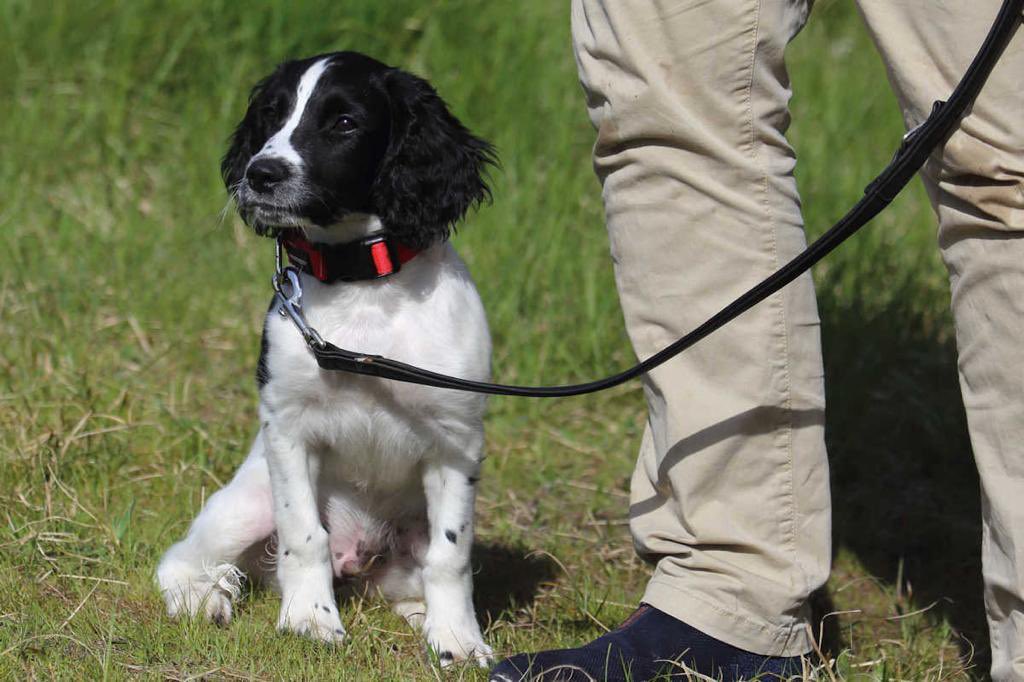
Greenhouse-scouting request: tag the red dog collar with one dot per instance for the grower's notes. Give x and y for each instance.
(372, 257)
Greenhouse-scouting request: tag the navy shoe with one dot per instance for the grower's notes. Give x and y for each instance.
(649, 645)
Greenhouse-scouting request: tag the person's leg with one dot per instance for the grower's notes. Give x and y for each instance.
(730, 496)
(977, 185)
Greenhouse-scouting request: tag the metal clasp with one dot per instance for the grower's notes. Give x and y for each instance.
(288, 289)
(278, 257)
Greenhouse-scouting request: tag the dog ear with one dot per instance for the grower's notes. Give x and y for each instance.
(433, 169)
(250, 135)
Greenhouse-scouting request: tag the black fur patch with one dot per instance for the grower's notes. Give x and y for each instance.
(433, 171)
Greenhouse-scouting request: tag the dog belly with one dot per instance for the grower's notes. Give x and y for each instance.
(364, 536)
(367, 453)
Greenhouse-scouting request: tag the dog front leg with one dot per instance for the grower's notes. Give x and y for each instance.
(450, 625)
(303, 557)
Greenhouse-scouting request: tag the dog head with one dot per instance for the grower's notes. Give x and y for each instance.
(342, 133)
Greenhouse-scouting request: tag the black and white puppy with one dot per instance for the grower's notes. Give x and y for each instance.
(352, 475)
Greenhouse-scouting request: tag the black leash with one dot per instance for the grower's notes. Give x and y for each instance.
(915, 149)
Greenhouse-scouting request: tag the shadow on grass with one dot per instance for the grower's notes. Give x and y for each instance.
(905, 489)
(507, 579)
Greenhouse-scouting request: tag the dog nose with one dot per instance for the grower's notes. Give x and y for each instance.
(263, 174)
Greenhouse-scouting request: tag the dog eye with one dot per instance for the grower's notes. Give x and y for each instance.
(345, 124)
(271, 111)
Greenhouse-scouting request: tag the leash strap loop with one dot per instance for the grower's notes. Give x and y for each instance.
(914, 150)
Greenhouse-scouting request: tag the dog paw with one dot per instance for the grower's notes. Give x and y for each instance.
(189, 602)
(412, 610)
(311, 616)
(452, 643)
(188, 592)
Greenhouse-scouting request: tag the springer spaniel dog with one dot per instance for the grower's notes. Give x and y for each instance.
(364, 172)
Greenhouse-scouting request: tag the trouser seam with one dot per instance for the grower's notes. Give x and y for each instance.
(994, 639)
(776, 302)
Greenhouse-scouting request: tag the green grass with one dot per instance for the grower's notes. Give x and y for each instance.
(129, 327)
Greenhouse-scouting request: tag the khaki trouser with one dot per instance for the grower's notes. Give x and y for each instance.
(730, 495)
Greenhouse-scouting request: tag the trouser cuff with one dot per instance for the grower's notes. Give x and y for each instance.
(730, 627)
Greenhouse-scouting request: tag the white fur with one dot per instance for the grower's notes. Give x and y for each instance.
(345, 465)
(280, 144)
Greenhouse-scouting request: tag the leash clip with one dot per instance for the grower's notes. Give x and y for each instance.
(291, 305)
